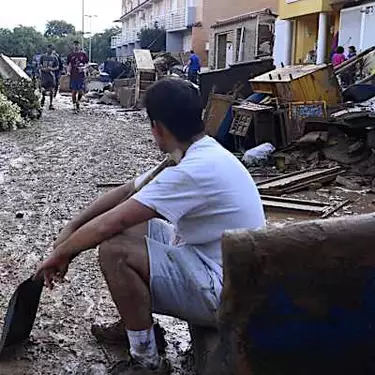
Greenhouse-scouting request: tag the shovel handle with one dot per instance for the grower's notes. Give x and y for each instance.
(169, 161)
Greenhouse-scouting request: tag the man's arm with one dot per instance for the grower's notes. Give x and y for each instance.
(93, 233)
(101, 205)
(103, 227)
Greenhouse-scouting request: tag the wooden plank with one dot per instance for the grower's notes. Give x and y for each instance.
(297, 181)
(295, 177)
(294, 205)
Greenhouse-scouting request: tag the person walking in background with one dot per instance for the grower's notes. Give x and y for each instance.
(48, 66)
(352, 52)
(77, 62)
(194, 67)
(310, 58)
(58, 72)
(339, 56)
(352, 70)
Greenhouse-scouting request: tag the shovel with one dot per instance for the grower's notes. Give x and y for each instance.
(20, 316)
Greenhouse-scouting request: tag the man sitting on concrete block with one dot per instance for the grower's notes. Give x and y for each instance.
(160, 250)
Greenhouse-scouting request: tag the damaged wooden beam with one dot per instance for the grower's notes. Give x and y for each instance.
(298, 299)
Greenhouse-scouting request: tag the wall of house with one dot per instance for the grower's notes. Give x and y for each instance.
(249, 40)
(213, 10)
(306, 35)
(174, 42)
(296, 8)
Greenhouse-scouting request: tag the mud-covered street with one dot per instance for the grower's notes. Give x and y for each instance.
(48, 172)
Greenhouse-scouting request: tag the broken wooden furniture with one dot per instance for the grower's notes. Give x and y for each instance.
(145, 73)
(298, 300)
(300, 83)
(253, 124)
(216, 110)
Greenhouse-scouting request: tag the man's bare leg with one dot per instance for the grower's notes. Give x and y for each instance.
(125, 265)
(74, 99)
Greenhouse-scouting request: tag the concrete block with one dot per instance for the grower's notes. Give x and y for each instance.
(127, 97)
(119, 83)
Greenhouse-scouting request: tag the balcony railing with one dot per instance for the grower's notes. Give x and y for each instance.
(177, 19)
(116, 41)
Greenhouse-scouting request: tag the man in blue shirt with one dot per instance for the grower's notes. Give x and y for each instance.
(194, 66)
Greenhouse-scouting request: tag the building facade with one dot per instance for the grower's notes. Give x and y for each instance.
(308, 25)
(322, 25)
(187, 22)
(357, 26)
(241, 38)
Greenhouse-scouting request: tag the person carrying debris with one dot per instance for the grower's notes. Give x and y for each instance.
(160, 250)
(49, 64)
(194, 67)
(77, 62)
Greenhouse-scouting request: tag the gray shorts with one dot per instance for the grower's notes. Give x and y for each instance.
(183, 281)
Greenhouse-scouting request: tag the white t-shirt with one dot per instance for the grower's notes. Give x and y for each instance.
(208, 192)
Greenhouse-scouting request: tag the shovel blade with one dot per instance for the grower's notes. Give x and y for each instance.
(21, 313)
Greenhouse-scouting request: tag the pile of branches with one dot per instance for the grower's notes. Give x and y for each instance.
(22, 93)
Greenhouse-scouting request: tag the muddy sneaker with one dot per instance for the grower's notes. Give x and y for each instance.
(133, 367)
(115, 334)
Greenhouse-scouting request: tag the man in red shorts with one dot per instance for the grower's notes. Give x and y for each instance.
(77, 62)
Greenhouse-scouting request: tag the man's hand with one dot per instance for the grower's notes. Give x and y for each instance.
(54, 268)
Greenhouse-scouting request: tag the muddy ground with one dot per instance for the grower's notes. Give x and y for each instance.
(48, 172)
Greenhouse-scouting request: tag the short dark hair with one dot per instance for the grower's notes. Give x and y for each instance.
(178, 105)
(340, 49)
(76, 42)
(51, 46)
(191, 51)
(352, 48)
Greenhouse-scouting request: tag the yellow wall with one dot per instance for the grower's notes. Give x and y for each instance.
(302, 7)
(306, 35)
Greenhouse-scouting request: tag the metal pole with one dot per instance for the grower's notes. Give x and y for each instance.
(83, 24)
(90, 49)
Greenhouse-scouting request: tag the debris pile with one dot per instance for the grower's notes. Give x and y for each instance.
(10, 114)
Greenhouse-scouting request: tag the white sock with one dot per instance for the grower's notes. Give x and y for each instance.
(143, 347)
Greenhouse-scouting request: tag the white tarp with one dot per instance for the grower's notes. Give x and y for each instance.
(10, 70)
